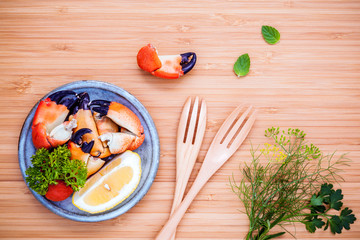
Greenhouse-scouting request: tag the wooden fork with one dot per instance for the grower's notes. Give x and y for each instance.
(190, 134)
(226, 141)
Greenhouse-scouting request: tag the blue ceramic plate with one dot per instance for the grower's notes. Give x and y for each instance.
(149, 151)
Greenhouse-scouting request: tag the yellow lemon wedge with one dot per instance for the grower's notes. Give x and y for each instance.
(111, 185)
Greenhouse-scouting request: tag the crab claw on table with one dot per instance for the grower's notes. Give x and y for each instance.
(49, 128)
(81, 150)
(82, 114)
(131, 135)
(166, 66)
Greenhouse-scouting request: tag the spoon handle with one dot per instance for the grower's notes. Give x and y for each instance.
(169, 228)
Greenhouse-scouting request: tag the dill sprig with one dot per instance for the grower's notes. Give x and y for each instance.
(278, 184)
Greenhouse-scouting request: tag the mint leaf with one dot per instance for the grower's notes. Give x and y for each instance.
(270, 34)
(242, 65)
(316, 200)
(347, 218)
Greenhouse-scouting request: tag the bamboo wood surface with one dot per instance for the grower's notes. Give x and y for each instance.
(309, 80)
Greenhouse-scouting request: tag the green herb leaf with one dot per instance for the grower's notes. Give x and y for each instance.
(242, 65)
(278, 220)
(314, 223)
(273, 235)
(48, 167)
(74, 173)
(347, 218)
(270, 34)
(316, 200)
(335, 198)
(317, 209)
(38, 175)
(327, 225)
(283, 182)
(331, 200)
(335, 224)
(326, 189)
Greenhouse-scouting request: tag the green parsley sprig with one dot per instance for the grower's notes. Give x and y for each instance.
(320, 204)
(48, 167)
(279, 186)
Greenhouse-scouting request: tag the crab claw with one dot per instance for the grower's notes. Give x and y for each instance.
(77, 139)
(117, 142)
(81, 150)
(119, 114)
(48, 127)
(104, 125)
(136, 143)
(106, 114)
(84, 118)
(167, 66)
(78, 149)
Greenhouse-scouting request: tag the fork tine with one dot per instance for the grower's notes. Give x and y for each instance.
(201, 125)
(191, 129)
(227, 123)
(183, 119)
(236, 126)
(243, 132)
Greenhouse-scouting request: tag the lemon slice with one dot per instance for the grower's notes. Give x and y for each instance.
(111, 185)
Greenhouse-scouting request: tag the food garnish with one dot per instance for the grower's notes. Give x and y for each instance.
(48, 168)
(59, 191)
(270, 34)
(111, 185)
(320, 204)
(285, 188)
(166, 66)
(242, 65)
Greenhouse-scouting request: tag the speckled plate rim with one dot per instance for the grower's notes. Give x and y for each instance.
(155, 156)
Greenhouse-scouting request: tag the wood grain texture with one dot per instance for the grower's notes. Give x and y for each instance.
(309, 80)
